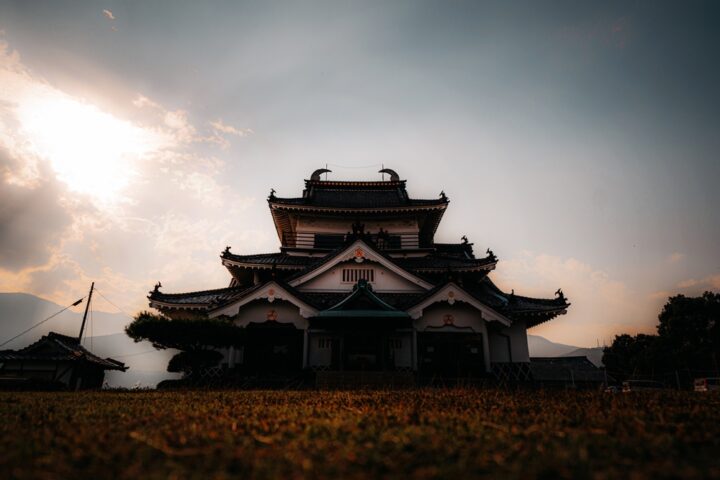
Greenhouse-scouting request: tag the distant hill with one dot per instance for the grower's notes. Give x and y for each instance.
(542, 347)
(19, 311)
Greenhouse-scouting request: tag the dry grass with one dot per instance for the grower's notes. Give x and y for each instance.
(307, 434)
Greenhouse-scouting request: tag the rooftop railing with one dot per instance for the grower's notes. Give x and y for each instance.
(330, 241)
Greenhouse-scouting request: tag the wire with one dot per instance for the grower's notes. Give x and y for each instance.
(111, 303)
(133, 354)
(41, 322)
(337, 165)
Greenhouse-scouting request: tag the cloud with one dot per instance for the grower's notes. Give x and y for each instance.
(676, 257)
(219, 126)
(147, 205)
(601, 305)
(108, 14)
(711, 282)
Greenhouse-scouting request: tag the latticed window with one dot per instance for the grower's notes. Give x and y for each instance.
(354, 275)
(324, 343)
(395, 343)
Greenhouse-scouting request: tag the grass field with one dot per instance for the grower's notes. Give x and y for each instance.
(308, 434)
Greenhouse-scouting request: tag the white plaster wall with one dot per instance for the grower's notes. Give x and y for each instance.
(385, 280)
(500, 350)
(517, 333)
(257, 311)
(518, 341)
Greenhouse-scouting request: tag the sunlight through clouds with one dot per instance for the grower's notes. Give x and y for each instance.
(84, 193)
(91, 151)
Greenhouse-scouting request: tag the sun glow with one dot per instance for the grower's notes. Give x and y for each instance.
(91, 151)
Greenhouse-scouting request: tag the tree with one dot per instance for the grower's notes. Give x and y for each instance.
(193, 361)
(184, 334)
(690, 326)
(688, 338)
(628, 354)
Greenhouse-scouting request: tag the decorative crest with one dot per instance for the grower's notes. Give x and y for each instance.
(157, 287)
(315, 177)
(394, 177)
(443, 196)
(464, 239)
(272, 194)
(490, 254)
(559, 294)
(227, 249)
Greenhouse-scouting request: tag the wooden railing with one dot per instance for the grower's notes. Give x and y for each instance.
(330, 241)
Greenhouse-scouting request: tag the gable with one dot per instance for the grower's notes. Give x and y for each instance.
(452, 294)
(356, 262)
(270, 292)
(345, 275)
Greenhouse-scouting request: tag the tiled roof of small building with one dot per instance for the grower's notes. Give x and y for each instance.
(565, 369)
(57, 347)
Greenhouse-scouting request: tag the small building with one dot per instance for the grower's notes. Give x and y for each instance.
(361, 285)
(567, 372)
(55, 361)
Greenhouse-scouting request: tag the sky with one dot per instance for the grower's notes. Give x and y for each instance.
(577, 140)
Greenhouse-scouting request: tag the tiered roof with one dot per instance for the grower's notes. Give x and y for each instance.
(358, 199)
(433, 266)
(437, 261)
(533, 310)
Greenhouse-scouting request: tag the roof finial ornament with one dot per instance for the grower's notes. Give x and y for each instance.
(559, 294)
(443, 196)
(157, 287)
(358, 228)
(394, 177)
(490, 254)
(464, 239)
(272, 194)
(315, 177)
(227, 249)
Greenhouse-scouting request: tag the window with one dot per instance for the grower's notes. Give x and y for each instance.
(395, 343)
(324, 343)
(353, 275)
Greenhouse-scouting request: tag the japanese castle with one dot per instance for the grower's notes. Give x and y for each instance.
(360, 285)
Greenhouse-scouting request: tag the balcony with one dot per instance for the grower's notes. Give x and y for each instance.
(331, 241)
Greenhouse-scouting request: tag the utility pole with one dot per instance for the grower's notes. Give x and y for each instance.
(87, 307)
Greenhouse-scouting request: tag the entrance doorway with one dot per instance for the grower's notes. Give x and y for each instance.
(451, 355)
(273, 348)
